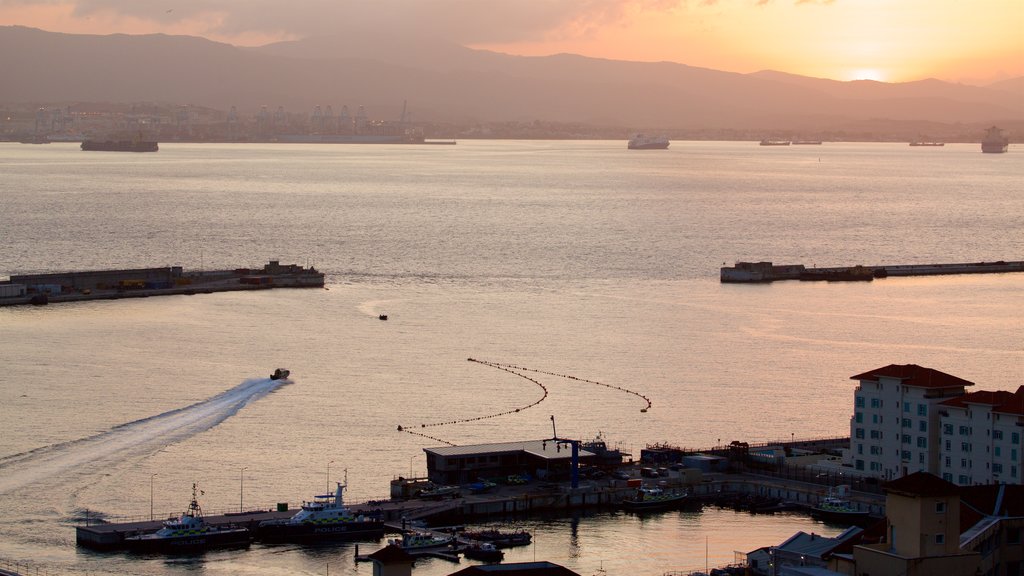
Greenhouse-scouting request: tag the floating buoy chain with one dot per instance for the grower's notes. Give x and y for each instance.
(510, 367)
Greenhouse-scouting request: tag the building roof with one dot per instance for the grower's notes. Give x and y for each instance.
(922, 484)
(391, 554)
(546, 449)
(816, 545)
(1000, 400)
(517, 569)
(914, 375)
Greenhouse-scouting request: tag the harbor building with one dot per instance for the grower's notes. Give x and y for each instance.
(909, 418)
(546, 459)
(895, 426)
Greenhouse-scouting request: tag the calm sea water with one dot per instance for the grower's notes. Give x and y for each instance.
(574, 258)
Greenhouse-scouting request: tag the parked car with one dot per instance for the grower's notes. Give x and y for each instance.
(621, 475)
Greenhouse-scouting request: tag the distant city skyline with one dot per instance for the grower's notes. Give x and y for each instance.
(973, 43)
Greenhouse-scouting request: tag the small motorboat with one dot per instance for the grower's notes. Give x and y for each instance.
(383, 317)
(483, 551)
(280, 374)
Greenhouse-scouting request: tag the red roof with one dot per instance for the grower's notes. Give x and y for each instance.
(1001, 400)
(922, 484)
(914, 375)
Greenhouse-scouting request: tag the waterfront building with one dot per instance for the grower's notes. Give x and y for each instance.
(895, 426)
(517, 569)
(548, 459)
(391, 560)
(981, 437)
(804, 553)
(908, 418)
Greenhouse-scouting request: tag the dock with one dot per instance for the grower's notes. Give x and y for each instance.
(59, 287)
(762, 272)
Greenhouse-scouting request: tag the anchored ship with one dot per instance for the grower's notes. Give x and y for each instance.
(995, 142)
(644, 142)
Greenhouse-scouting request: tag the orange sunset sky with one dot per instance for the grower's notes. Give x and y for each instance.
(975, 41)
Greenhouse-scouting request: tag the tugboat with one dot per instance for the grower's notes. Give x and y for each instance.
(651, 499)
(325, 518)
(189, 533)
(280, 374)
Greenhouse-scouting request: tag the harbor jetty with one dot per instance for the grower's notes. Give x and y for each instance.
(753, 272)
(40, 289)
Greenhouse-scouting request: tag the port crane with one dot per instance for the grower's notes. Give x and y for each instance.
(575, 444)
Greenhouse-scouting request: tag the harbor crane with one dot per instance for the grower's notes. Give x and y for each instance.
(575, 444)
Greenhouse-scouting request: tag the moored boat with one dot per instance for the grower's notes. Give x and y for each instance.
(483, 551)
(498, 538)
(649, 499)
(645, 142)
(770, 142)
(189, 533)
(324, 518)
(411, 541)
(837, 509)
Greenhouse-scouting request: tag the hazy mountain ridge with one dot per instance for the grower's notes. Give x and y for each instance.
(444, 82)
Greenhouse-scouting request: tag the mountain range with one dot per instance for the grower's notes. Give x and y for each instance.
(444, 82)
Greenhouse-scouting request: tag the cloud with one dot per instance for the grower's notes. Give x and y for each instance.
(459, 21)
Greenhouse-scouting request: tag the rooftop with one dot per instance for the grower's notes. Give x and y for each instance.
(546, 449)
(914, 375)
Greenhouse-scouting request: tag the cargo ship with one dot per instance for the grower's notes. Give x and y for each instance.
(120, 145)
(995, 142)
(644, 142)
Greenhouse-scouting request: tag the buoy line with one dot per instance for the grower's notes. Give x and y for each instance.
(486, 416)
(594, 382)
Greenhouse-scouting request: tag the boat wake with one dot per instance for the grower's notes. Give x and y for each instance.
(140, 437)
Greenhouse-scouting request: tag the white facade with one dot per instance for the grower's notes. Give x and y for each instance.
(912, 419)
(895, 427)
(981, 439)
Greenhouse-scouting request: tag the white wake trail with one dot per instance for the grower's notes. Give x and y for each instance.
(139, 437)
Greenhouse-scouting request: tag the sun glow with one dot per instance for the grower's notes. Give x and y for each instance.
(867, 74)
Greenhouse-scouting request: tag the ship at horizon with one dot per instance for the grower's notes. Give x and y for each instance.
(995, 142)
(644, 142)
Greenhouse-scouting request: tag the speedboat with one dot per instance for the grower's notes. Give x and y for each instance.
(280, 374)
(653, 499)
(325, 518)
(189, 533)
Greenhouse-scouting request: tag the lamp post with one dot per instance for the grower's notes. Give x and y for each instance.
(241, 486)
(329, 476)
(151, 476)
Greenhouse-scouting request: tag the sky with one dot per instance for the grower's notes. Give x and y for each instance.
(968, 41)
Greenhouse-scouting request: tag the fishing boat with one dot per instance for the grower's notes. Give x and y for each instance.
(280, 374)
(649, 499)
(189, 533)
(324, 518)
(770, 142)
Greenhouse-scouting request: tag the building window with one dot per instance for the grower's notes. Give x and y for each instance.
(1014, 438)
(962, 479)
(947, 476)
(997, 434)
(876, 466)
(905, 455)
(997, 451)
(949, 446)
(922, 442)
(922, 410)
(859, 465)
(906, 407)
(940, 538)
(860, 448)
(876, 434)
(906, 439)
(907, 423)
(965, 446)
(876, 450)
(858, 432)
(947, 429)
(949, 462)
(963, 462)
(920, 457)
(858, 417)
(876, 402)
(874, 418)
(964, 431)
(940, 507)
(997, 468)
(859, 402)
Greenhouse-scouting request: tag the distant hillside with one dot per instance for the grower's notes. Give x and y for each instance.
(448, 83)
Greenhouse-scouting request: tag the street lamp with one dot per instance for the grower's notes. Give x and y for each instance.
(329, 476)
(151, 476)
(241, 486)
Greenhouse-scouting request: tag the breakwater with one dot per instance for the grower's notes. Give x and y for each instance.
(752, 272)
(52, 288)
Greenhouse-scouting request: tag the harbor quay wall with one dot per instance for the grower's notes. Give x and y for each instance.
(522, 500)
(145, 282)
